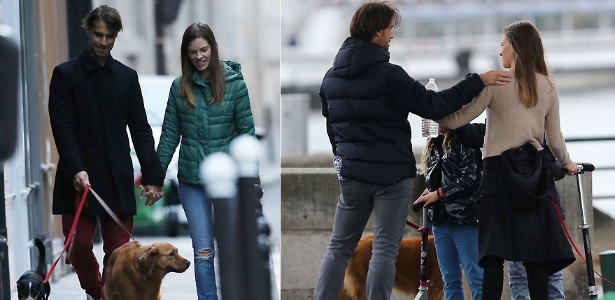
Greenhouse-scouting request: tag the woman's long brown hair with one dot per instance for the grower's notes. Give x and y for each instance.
(216, 70)
(530, 59)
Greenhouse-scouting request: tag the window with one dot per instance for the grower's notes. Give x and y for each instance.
(585, 20)
(503, 21)
(549, 22)
(429, 28)
(469, 26)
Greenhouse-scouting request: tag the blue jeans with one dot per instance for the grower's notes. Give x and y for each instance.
(457, 247)
(198, 210)
(354, 206)
(518, 283)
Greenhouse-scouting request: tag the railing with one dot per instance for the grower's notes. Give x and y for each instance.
(598, 168)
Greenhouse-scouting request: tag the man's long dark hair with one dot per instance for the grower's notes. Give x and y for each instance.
(372, 17)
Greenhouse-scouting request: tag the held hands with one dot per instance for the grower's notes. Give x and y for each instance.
(427, 198)
(496, 77)
(81, 180)
(152, 192)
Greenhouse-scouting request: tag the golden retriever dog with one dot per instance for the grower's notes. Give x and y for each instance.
(135, 272)
(407, 274)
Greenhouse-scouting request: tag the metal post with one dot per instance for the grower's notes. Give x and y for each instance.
(5, 283)
(294, 113)
(219, 173)
(159, 27)
(593, 292)
(76, 10)
(245, 150)
(4, 278)
(264, 254)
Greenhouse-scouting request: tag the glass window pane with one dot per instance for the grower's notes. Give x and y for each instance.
(585, 21)
(549, 22)
(503, 21)
(429, 28)
(469, 26)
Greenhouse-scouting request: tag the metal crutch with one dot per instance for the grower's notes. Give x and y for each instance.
(593, 292)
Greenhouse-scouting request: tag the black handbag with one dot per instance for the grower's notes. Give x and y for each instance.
(527, 176)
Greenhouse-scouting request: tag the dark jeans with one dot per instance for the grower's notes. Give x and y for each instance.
(354, 206)
(82, 256)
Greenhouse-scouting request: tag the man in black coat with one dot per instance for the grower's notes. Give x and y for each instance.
(366, 101)
(93, 99)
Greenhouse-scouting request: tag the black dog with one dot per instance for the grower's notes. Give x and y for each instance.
(30, 285)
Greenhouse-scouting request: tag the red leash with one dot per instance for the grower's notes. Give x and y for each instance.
(563, 223)
(73, 228)
(72, 232)
(413, 225)
(417, 227)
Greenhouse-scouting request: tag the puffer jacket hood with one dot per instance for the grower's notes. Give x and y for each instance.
(232, 70)
(355, 56)
(366, 102)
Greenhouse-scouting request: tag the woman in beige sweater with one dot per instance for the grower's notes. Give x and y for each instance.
(519, 112)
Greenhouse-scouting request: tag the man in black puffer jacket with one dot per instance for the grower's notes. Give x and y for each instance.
(366, 102)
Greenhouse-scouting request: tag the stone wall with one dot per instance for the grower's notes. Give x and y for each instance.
(309, 198)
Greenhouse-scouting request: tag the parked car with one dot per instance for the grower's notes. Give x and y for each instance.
(166, 215)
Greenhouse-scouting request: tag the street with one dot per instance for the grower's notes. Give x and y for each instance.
(174, 285)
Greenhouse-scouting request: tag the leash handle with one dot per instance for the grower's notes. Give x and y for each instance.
(113, 215)
(71, 232)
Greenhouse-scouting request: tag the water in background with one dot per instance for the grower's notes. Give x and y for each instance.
(582, 114)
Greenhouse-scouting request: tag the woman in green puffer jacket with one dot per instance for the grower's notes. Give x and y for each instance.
(208, 107)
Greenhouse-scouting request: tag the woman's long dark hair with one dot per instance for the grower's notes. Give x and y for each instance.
(216, 70)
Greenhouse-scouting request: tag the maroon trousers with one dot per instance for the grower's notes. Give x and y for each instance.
(82, 255)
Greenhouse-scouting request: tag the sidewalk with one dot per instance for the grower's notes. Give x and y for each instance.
(174, 285)
(182, 285)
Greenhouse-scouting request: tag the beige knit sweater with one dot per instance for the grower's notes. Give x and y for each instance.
(510, 124)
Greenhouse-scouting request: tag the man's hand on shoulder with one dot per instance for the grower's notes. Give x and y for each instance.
(496, 77)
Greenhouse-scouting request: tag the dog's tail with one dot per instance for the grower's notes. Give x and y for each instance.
(42, 254)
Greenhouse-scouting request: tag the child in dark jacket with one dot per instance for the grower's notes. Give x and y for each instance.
(452, 171)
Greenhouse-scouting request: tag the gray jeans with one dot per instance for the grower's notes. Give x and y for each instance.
(518, 283)
(354, 206)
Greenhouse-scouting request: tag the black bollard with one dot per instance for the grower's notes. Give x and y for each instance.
(245, 150)
(219, 173)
